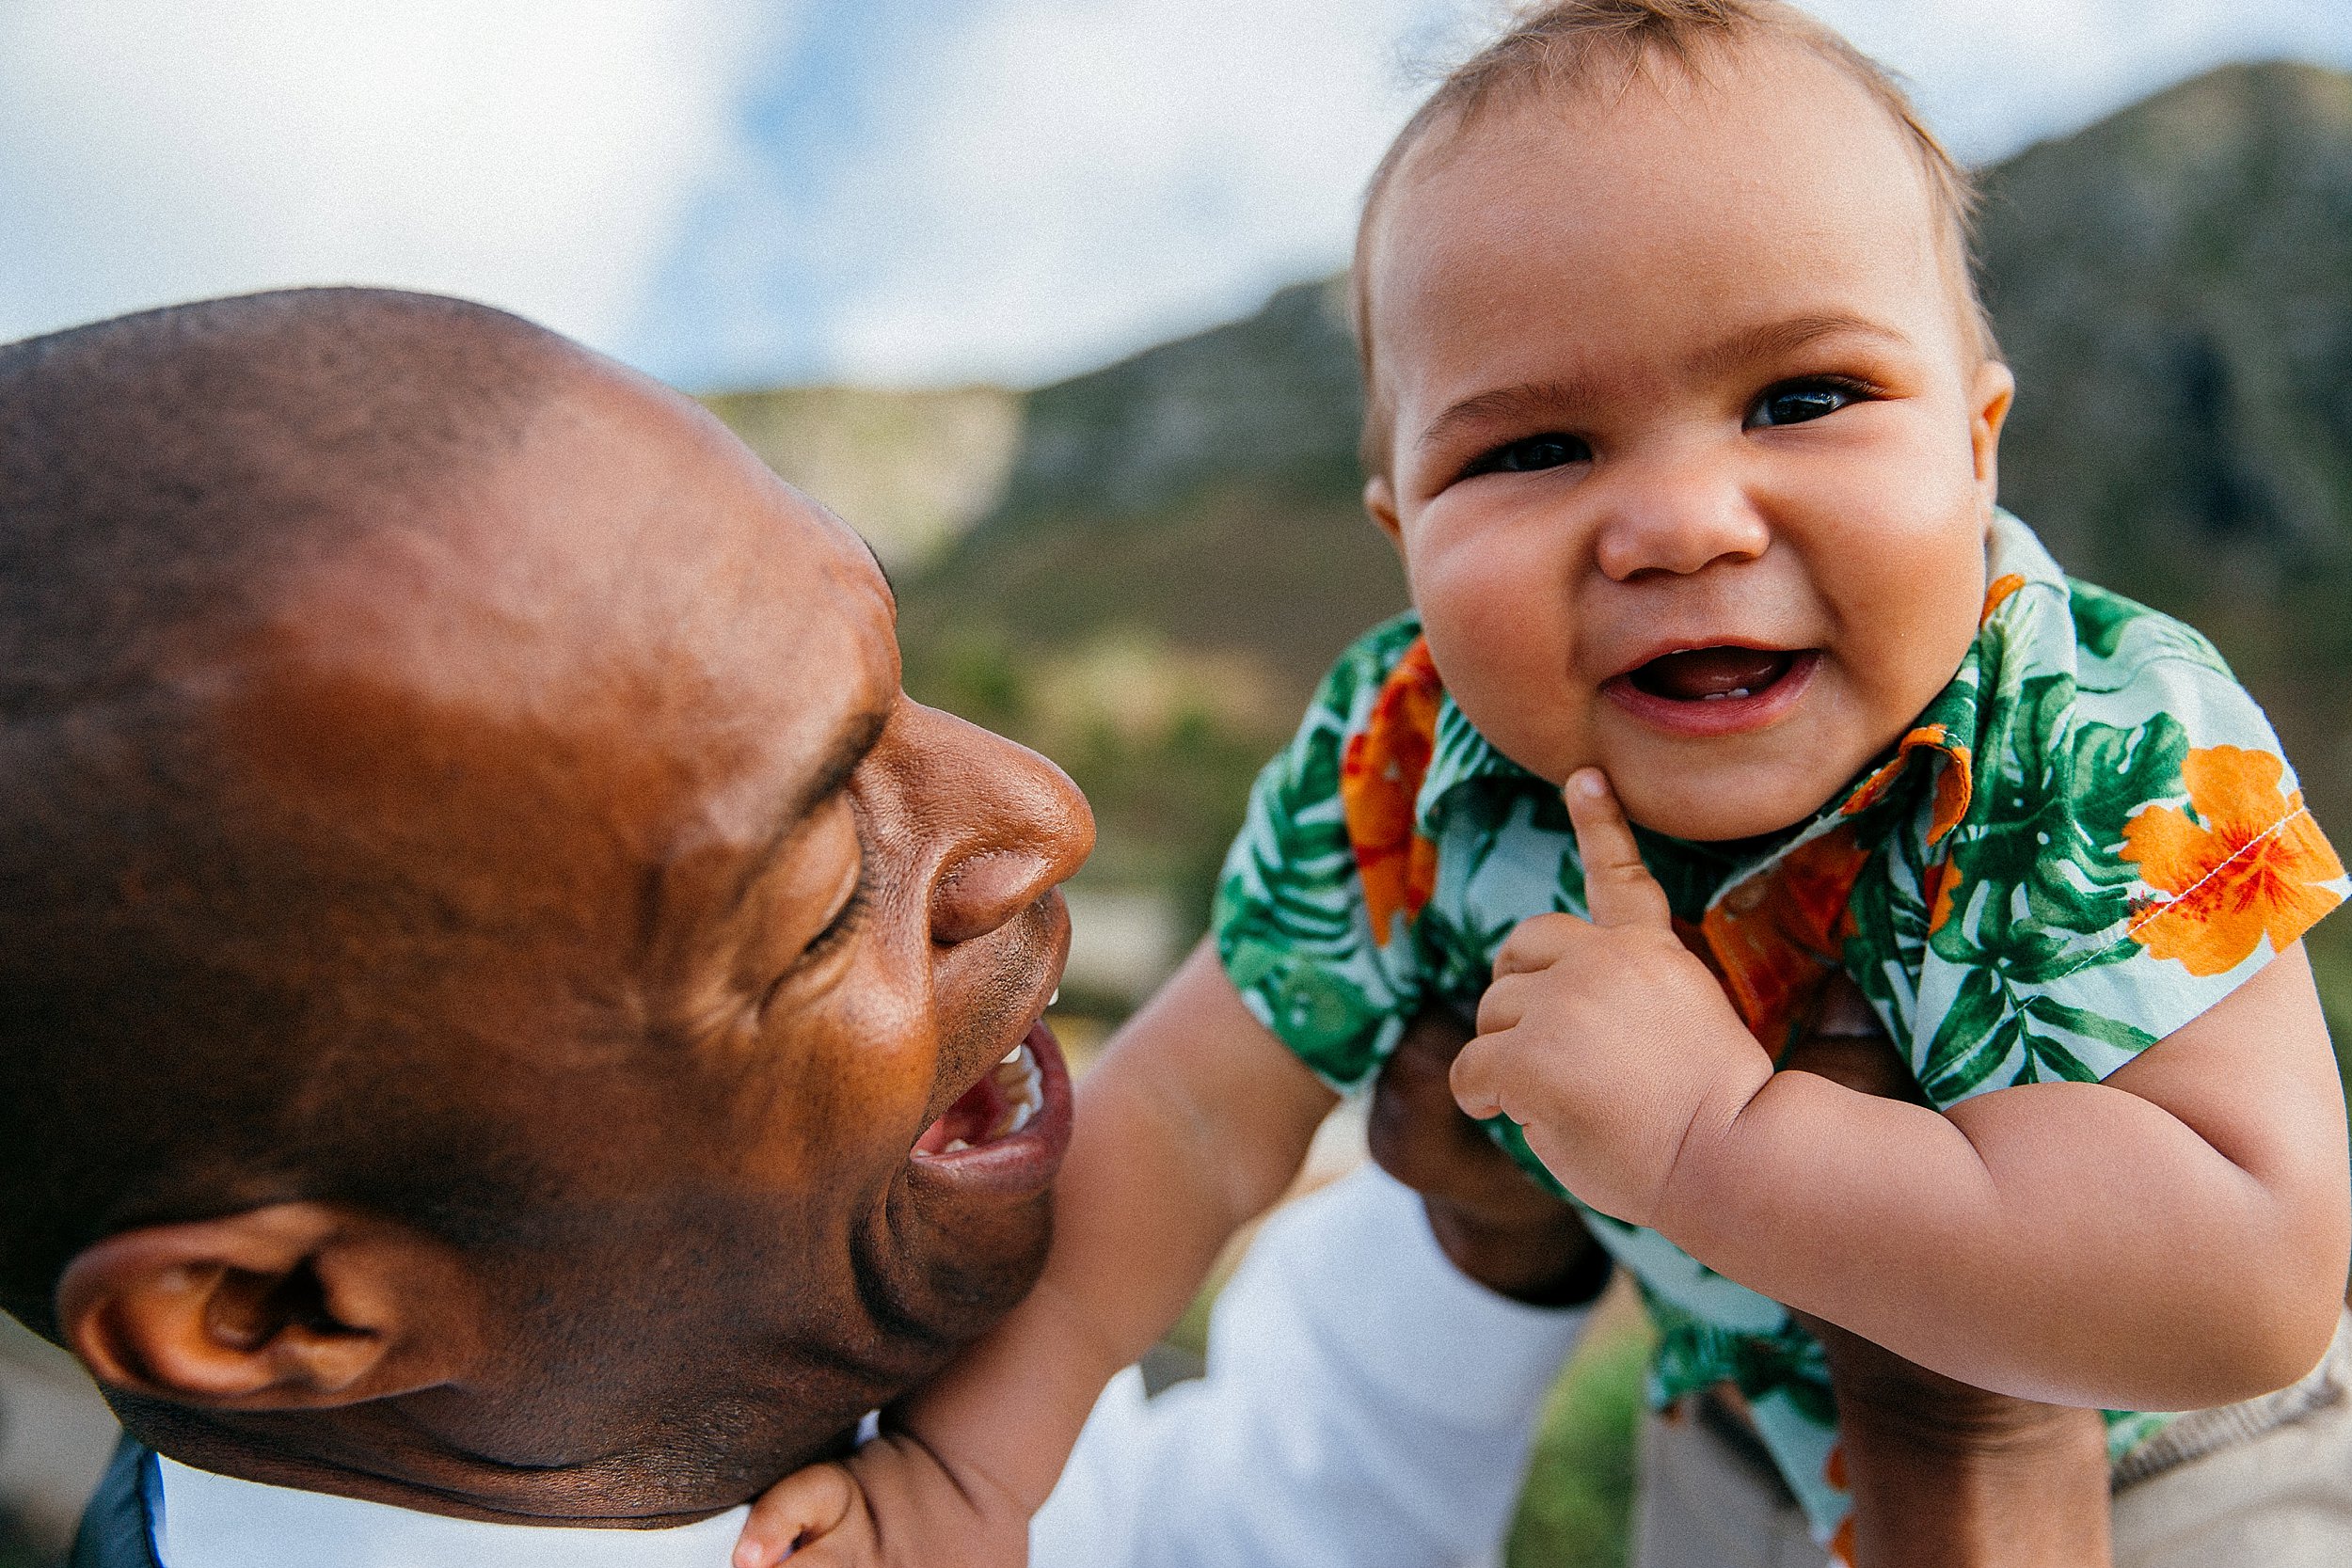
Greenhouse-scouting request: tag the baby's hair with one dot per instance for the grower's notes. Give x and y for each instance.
(1564, 46)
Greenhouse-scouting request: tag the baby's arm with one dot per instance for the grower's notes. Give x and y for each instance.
(2172, 1237)
(1196, 1120)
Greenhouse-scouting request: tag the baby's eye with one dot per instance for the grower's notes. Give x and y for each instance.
(1795, 402)
(1530, 453)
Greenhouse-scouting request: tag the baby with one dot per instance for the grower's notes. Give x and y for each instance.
(1683, 414)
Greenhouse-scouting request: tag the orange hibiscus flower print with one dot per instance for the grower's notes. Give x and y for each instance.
(2251, 864)
(1380, 776)
(1774, 938)
(1996, 594)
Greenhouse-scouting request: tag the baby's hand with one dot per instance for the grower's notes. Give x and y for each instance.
(1608, 1040)
(893, 1504)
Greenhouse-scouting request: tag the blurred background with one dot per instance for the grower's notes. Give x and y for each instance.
(1041, 295)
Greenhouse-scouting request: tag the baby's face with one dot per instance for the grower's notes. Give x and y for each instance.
(1693, 448)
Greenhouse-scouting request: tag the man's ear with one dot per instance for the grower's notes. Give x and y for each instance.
(1380, 505)
(296, 1306)
(1988, 398)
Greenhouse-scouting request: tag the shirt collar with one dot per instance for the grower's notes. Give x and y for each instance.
(209, 1521)
(2019, 572)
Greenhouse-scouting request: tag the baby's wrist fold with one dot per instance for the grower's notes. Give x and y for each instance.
(1690, 1190)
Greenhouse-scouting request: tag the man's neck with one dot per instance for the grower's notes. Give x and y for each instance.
(395, 1464)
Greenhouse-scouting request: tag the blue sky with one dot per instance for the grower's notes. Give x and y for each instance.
(742, 192)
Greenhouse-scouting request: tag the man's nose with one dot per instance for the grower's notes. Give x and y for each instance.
(1677, 512)
(1015, 825)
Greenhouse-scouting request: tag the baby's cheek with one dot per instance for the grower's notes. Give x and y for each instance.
(1517, 698)
(1498, 626)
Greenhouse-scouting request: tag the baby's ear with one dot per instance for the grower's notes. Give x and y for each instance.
(1380, 505)
(1989, 399)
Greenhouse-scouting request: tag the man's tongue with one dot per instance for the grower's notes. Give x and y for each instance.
(1712, 675)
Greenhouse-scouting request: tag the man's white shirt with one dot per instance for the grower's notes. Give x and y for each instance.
(1365, 1406)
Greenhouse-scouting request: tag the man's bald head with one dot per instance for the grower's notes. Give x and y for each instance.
(167, 971)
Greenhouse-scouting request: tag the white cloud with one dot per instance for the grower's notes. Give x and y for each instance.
(537, 153)
(1995, 75)
(1045, 183)
(996, 189)
(1050, 182)
(1056, 180)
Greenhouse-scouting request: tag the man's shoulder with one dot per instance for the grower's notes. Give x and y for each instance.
(117, 1530)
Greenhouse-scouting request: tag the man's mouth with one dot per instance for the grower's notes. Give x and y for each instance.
(1007, 1134)
(1005, 1099)
(1720, 688)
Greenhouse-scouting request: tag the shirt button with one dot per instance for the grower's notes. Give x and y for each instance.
(1746, 897)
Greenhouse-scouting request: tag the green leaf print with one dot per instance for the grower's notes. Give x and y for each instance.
(2090, 1025)
(2100, 617)
(2039, 867)
(2041, 887)
(1460, 956)
(2122, 771)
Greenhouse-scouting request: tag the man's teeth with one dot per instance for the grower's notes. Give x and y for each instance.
(1024, 1089)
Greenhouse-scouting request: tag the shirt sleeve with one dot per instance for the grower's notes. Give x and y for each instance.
(1291, 922)
(1366, 1406)
(2142, 850)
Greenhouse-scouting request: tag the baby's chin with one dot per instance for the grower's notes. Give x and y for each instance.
(1719, 815)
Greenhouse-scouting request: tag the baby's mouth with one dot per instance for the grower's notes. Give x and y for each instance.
(1712, 675)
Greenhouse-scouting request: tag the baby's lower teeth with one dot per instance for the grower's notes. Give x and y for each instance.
(1720, 696)
(957, 1145)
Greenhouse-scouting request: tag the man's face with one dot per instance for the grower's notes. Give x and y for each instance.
(738, 951)
(1692, 455)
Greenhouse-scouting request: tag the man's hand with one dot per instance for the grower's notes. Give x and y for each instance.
(1943, 1475)
(1947, 1476)
(893, 1504)
(1489, 1217)
(1607, 1038)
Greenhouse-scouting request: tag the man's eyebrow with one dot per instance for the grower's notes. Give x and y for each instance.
(857, 737)
(1773, 339)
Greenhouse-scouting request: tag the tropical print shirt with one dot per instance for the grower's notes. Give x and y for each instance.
(2088, 839)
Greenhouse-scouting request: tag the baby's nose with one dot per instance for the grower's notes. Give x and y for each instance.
(1677, 516)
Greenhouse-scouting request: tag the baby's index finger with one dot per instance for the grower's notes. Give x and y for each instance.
(1618, 887)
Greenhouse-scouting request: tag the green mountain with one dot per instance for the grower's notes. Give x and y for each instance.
(1174, 550)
